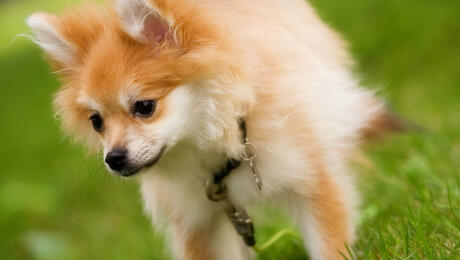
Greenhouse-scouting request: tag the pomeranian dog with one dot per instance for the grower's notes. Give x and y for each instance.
(173, 91)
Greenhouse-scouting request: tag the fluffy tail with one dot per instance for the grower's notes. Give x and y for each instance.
(385, 122)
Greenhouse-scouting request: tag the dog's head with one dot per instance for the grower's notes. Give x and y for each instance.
(139, 78)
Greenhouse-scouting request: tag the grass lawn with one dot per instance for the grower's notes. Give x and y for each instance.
(58, 203)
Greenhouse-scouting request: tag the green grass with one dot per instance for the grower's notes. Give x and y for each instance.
(58, 203)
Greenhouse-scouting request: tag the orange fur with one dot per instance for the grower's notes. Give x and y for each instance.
(108, 58)
(271, 62)
(196, 243)
(328, 208)
(324, 197)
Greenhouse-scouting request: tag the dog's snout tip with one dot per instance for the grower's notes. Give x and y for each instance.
(116, 159)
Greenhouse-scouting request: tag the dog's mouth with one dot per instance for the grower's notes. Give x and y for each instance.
(133, 170)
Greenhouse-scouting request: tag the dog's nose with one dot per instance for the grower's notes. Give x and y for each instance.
(116, 159)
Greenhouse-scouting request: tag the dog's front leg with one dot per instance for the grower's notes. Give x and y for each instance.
(215, 240)
(199, 228)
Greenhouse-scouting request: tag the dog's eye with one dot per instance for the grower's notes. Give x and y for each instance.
(144, 108)
(97, 122)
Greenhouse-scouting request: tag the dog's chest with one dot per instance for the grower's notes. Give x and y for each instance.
(178, 183)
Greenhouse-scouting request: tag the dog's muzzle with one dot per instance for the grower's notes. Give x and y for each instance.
(118, 162)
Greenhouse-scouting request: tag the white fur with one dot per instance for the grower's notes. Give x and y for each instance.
(145, 145)
(90, 103)
(50, 40)
(198, 136)
(182, 172)
(308, 81)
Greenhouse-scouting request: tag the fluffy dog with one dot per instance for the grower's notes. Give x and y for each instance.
(161, 86)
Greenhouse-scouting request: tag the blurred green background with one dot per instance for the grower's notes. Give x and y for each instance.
(56, 202)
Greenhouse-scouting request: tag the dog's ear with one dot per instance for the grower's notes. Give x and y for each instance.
(48, 36)
(144, 22)
(68, 37)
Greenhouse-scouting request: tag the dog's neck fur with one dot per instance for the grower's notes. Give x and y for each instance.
(188, 154)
